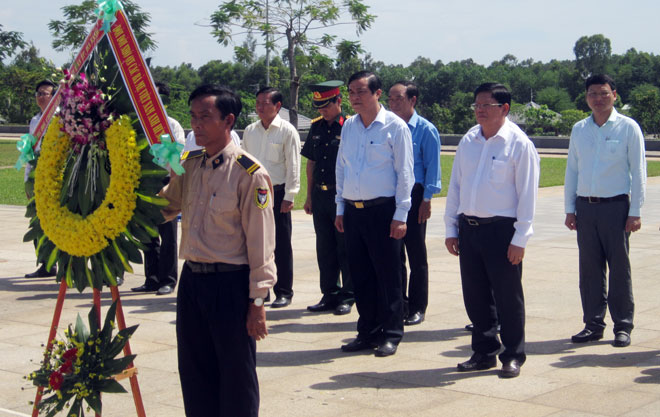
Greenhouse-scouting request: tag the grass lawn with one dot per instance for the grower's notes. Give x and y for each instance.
(12, 191)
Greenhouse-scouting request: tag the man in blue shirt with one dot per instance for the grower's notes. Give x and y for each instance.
(603, 196)
(426, 153)
(374, 178)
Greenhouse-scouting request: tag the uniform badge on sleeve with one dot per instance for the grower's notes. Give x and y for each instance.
(261, 197)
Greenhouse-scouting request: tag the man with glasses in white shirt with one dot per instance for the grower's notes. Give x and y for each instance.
(488, 218)
(603, 197)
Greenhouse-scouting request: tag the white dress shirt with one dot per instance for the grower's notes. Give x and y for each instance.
(278, 149)
(494, 177)
(376, 161)
(605, 161)
(191, 142)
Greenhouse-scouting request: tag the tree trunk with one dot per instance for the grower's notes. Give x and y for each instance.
(294, 85)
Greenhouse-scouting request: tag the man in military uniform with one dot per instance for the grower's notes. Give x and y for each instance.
(320, 149)
(228, 239)
(44, 91)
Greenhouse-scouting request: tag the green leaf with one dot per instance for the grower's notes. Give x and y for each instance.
(110, 385)
(94, 401)
(97, 271)
(79, 269)
(32, 234)
(81, 329)
(130, 248)
(31, 209)
(159, 201)
(109, 276)
(52, 259)
(69, 274)
(121, 256)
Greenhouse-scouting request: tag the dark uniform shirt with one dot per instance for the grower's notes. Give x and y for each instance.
(321, 147)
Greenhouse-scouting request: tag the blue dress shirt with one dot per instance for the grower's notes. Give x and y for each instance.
(604, 161)
(426, 154)
(375, 161)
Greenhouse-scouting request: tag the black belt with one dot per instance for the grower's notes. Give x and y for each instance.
(278, 187)
(325, 187)
(596, 200)
(479, 221)
(369, 203)
(204, 268)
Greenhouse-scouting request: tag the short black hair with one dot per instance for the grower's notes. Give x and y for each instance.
(499, 92)
(226, 100)
(274, 93)
(411, 88)
(163, 88)
(372, 80)
(599, 79)
(45, 82)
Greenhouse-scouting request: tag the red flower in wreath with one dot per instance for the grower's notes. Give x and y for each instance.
(66, 367)
(55, 380)
(70, 354)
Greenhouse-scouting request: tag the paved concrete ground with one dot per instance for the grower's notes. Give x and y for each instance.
(303, 373)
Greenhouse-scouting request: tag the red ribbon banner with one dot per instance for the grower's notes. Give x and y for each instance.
(138, 81)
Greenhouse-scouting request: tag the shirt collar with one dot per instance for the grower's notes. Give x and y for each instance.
(612, 118)
(414, 119)
(504, 133)
(220, 157)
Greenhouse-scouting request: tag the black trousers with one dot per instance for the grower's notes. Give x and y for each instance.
(603, 243)
(330, 249)
(414, 242)
(283, 249)
(492, 289)
(375, 264)
(160, 261)
(217, 358)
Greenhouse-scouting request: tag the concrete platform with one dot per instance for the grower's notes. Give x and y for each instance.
(303, 373)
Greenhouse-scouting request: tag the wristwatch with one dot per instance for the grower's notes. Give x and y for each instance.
(257, 301)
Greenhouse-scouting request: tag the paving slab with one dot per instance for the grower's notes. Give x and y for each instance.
(302, 371)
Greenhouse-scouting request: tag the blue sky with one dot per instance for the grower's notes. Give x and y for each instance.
(484, 30)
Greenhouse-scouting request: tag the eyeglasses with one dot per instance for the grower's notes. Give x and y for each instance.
(42, 94)
(476, 106)
(599, 95)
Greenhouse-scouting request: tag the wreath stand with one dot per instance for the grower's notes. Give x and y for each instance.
(129, 372)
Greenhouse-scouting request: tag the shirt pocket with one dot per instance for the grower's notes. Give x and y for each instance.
(275, 151)
(498, 171)
(223, 209)
(613, 148)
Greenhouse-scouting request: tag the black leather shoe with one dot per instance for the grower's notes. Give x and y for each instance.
(510, 369)
(621, 339)
(321, 306)
(42, 272)
(587, 335)
(477, 362)
(357, 344)
(386, 349)
(280, 302)
(165, 289)
(470, 327)
(342, 309)
(414, 318)
(144, 288)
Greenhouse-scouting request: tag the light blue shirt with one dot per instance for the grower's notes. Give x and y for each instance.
(605, 161)
(375, 161)
(426, 154)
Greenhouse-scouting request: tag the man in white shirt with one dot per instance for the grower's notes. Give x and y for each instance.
(44, 91)
(160, 260)
(603, 197)
(276, 144)
(488, 218)
(374, 179)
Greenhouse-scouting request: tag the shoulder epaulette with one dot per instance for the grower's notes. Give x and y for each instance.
(248, 164)
(317, 119)
(192, 154)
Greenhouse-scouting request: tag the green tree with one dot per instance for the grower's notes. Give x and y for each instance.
(555, 98)
(645, 102)
(295, 21)
(540, 121)
(70, 33)
(568, 119)
(441, 117)
(10, 43)
(592, 54)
